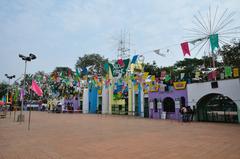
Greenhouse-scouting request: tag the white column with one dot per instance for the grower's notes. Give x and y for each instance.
(105, 100)
(133, 99)
(142, 101)
(85, 100)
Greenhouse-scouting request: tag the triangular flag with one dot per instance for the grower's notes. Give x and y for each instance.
(214, 41)
(185, 48)
(134, 59)
(36, 88)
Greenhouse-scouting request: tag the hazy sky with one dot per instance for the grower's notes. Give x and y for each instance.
(59, 31)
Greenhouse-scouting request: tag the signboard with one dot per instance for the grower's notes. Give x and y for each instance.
(180, 85)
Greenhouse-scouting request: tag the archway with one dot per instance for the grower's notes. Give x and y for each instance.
(168, 106)
(216, 108)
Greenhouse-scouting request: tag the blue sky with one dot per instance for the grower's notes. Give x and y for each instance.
(59, 31)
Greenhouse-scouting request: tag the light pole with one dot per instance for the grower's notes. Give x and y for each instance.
(25, 58)
(9, 78)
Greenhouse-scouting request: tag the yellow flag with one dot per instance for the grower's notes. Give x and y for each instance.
(145, 75)
(153, 78)
(235, 72)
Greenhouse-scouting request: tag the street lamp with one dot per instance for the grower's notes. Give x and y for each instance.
(25, 58)
(9, 78)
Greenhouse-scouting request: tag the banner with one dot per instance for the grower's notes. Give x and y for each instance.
(179, 85)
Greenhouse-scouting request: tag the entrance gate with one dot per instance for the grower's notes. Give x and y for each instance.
(216, 108)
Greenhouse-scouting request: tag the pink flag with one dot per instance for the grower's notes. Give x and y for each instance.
(185, 48)
(36, 88)
(120, 62)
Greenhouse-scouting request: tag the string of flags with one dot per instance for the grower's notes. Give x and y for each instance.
(214, 42)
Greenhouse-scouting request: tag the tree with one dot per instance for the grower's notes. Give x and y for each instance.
(3, 89)
(231, 54)
(62, 71)
(94, 61)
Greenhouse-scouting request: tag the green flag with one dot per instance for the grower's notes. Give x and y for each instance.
(77, 73)
(106, 67)
(167, 78)
(228, 71)
(214, 41)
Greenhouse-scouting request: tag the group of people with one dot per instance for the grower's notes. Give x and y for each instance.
(187, 113)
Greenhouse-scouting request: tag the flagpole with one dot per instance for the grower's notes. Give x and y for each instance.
(29, 117)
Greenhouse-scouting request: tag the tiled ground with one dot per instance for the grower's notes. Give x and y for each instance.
(115, 137)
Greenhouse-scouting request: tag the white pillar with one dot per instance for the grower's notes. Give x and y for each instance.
(105, 100)
(85, 100)
(133, 100)
(142, 101)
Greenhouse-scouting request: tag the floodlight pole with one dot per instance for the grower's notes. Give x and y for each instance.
(24, 79)
(25, 58)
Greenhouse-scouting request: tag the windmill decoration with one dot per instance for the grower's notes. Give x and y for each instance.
(211, 31)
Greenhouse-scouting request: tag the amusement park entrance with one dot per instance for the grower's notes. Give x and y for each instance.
(216, 108)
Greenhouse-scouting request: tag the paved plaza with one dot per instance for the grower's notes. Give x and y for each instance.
(80, 136)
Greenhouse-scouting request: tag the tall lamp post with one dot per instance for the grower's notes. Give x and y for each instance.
(26, 59)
